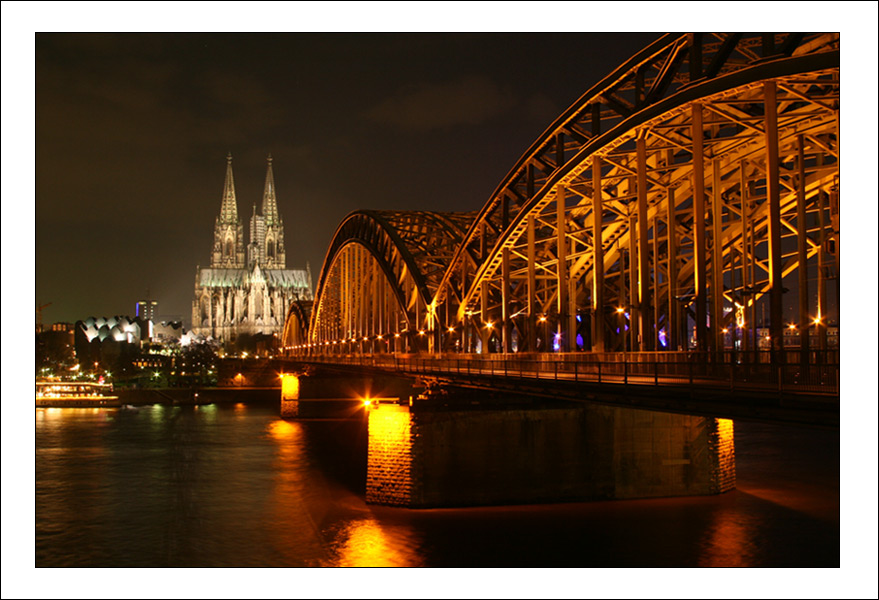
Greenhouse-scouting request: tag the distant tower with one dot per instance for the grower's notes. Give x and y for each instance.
(228, 250)
(146, 309)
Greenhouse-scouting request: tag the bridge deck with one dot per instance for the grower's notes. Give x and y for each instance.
(793, 393)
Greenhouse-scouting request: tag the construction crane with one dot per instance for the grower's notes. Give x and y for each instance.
(40, 308)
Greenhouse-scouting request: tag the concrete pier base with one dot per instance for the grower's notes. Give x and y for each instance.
(436, 458)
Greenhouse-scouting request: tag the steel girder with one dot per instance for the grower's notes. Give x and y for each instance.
(296, 324)
(543, 209)
(712, 163)
(381, 272)
(655, 251)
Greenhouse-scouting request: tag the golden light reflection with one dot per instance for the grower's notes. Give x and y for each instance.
(293, 528)
(366, 543)
(282, 430)
(729, 542)
(54, 413)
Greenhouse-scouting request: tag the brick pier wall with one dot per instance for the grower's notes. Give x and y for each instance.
(421, 458)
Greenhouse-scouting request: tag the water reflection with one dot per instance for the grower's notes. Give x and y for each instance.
(367, 543)
(294, 534)
(208, 412)
(729, 542)
(237, 486)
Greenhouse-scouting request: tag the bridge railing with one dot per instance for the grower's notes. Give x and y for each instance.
(746, 373)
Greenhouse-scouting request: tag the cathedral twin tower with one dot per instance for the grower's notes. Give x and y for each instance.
(247, 290)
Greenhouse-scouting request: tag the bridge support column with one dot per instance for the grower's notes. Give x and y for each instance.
(597, 260)
(531, 328)
(564, 332)
(506, 324)
(645, 327)
(420, 457)
(770, 129)
(699, 243)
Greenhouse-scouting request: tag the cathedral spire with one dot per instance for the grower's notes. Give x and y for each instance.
(269, 201)
(229, 209)
(228, 251)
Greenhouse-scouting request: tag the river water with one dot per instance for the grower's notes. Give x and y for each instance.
(233, 485)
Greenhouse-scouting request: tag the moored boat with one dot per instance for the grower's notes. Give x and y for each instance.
(54, 393)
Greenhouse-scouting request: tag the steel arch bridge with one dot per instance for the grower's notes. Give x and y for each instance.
(678, 195)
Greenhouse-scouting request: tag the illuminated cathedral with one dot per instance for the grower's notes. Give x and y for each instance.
(247, 290)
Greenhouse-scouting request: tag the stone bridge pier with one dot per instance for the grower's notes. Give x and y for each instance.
(435, 457)
(472, 448)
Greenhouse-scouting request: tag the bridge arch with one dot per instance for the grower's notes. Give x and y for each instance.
(634, 136)
(379, 277)
(295, 325)
(658, 212)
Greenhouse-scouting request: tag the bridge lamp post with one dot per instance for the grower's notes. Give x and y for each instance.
(621, 311)
(822, 344)
(543, 331)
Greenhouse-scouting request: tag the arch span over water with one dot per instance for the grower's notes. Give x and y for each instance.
(669, 208)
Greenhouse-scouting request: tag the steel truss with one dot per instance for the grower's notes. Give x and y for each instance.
(379, 278)
(707, 166)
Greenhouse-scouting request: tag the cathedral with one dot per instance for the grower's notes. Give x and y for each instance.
(248, 289)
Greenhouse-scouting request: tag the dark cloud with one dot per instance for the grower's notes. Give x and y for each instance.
(466, 101)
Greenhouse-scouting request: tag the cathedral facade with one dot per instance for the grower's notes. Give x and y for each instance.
(248, 289)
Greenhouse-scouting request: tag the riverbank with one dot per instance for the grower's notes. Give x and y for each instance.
(197, 395)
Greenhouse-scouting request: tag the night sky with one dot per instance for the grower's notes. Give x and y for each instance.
(132, 131)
